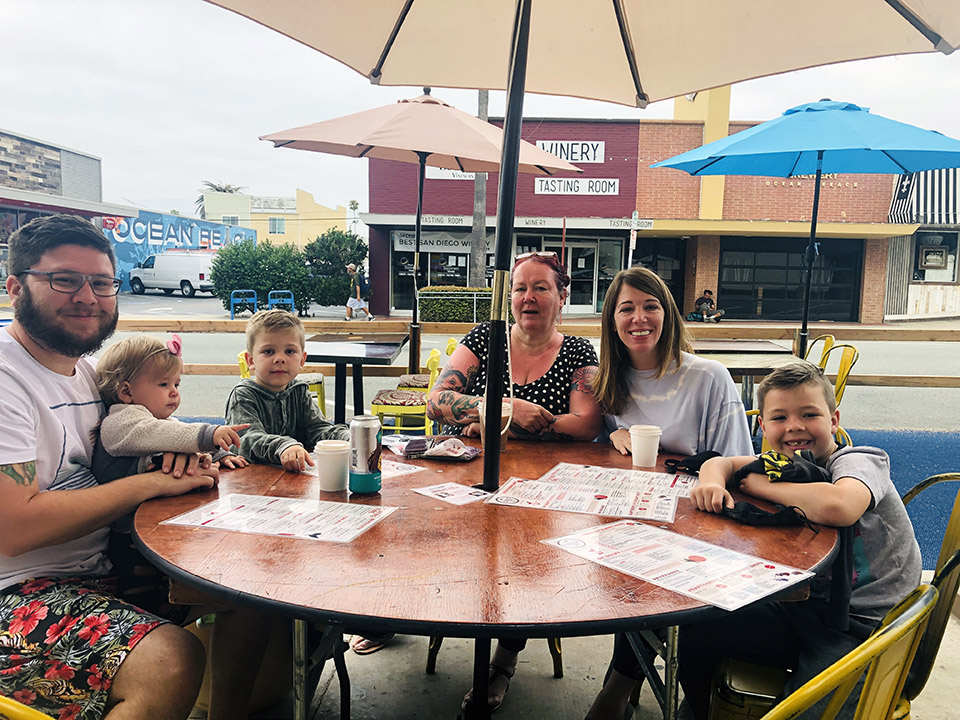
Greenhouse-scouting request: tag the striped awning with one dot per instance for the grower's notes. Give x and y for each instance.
(928, 198)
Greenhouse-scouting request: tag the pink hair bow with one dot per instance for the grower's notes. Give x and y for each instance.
(174, 345)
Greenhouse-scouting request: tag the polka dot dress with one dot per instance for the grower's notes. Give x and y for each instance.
(550, 391)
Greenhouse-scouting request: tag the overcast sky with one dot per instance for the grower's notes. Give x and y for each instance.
(169, 94)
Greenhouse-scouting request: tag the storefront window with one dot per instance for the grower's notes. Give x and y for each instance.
(935, 257)
(757, 283)
(665, 256)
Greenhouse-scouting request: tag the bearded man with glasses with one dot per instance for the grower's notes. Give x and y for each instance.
(68, 646)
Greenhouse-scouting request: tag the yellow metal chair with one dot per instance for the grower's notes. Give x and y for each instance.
(828, 342)
(419, 382)
(10, 709)
(407, 405)
(848, 358)
(946, 580)
(314, 381)
(885, 658)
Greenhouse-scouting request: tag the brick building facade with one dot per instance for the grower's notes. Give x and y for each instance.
(746, 246)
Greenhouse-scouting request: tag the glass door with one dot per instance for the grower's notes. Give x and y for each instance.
(581, 264)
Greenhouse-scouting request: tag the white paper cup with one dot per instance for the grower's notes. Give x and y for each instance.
(504, 421)
(333, 464)
(644, 441)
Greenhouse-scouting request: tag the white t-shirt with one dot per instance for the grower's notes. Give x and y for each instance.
(696, 407)
(50, 419)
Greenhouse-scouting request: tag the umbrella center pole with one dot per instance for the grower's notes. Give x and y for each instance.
(506, 207)
(413, 363)
(808, 259)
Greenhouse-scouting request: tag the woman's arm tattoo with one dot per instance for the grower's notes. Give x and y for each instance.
(582, 379)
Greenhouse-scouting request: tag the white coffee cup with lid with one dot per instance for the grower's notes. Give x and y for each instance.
(644, 441)
(333, 464)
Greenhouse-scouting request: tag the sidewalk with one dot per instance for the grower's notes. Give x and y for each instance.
(392, 683)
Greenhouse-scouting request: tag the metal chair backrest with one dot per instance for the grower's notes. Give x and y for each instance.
(848, 358)
(243, 297)
(452, 345)
(433, 365)
(278, 298)
(242, 361)
(10, 708)
(946, 580)
(828, 341)
(884, 656)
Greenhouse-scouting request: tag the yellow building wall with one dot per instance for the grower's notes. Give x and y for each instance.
(310, 220)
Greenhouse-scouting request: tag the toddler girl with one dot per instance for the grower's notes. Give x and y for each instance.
(138, 379)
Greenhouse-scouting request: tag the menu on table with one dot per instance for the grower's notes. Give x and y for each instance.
(590, 499)
(285, 517)
(697, 569)
(391, 468)
(594, 490)
(643, 481)
(453, 493)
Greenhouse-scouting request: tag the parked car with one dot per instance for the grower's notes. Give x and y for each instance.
(169, 271)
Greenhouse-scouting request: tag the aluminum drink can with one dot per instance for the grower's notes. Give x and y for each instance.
(365, 435)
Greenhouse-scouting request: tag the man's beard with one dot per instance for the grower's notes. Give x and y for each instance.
(39, 325)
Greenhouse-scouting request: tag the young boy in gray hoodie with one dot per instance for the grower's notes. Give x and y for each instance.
(285, 422)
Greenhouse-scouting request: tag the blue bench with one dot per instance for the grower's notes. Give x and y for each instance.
(280, 298)
(241, 298)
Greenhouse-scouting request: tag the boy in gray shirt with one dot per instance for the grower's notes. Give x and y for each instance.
(285, 422)
(798, 411)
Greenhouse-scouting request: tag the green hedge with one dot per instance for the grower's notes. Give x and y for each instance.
(453, 309)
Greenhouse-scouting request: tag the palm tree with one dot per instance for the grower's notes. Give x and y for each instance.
(214, 187)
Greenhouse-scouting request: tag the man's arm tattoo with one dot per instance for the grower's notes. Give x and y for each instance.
(21, 473)
(582, 379)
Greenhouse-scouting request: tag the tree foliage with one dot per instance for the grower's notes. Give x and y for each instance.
(262, 267)
(328, 257)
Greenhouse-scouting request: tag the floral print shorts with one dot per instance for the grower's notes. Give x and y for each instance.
(61, 642)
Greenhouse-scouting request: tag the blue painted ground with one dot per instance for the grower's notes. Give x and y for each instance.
(914, 456)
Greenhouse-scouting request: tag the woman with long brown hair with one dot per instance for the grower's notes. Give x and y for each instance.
(649, 376)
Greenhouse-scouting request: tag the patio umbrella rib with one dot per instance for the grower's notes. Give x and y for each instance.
(630, 53)
(903, 170)
(936, 40)
(388, 46)
(365, 151)
(796, 162)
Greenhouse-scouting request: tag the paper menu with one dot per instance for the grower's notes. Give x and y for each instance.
(285, 517)
(453, 493)
(643, 481)
(691, 567)
(590, 499)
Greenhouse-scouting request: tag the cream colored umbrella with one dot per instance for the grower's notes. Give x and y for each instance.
(625, 51)
(426, 131)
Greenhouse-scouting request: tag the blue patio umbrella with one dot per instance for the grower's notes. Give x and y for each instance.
(817, 138)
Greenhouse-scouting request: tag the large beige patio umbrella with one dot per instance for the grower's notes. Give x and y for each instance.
(426, 131)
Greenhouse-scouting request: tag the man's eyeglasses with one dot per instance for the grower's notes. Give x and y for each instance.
(537, 253)
(68, 282)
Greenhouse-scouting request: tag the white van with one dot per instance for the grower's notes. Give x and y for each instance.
(169, 271)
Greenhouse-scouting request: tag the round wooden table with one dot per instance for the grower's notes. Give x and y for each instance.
(432, 568)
